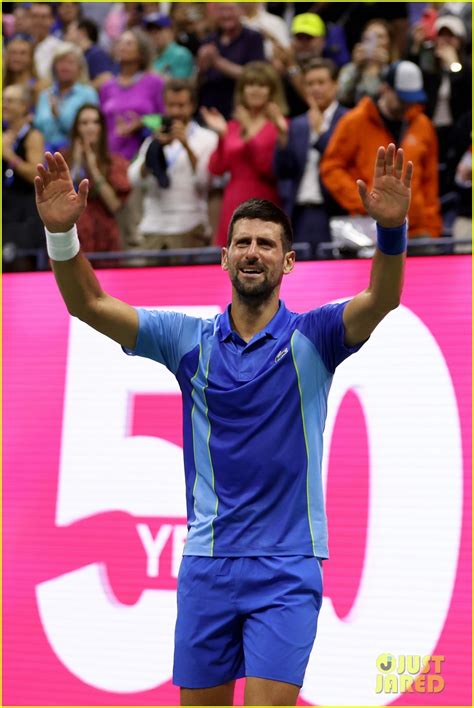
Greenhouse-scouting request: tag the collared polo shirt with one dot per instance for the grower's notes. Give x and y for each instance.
(253, 420)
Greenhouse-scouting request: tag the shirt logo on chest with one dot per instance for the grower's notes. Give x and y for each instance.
(281, 354)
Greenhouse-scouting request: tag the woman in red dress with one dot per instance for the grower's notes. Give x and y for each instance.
(247, 143)
(89, 157)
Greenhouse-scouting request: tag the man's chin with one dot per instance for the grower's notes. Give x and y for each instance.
(253, 293)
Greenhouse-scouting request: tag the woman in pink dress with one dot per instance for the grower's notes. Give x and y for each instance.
(247, 143)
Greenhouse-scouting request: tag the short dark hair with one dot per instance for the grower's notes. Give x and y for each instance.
(176, 85)
(319, 63)
(266, 211)
(90, 28)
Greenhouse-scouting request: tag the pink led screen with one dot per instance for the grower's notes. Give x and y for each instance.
(94, 515)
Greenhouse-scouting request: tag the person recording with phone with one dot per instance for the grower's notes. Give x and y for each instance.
(362, 76)
(171, 168)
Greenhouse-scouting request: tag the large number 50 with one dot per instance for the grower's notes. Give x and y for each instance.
(415, 508)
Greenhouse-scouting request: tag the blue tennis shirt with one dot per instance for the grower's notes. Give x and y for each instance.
(253, 421)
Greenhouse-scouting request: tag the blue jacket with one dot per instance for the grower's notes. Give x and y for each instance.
(289, 162)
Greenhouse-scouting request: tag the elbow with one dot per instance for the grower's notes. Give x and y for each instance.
(389, 305)
(393, 305)
(74, 311)
(84, 312)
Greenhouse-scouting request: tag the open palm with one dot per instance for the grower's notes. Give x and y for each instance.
(389, 199)
(214, 120)
(59, 206)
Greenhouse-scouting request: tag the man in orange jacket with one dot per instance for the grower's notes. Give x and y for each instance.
(395, 117)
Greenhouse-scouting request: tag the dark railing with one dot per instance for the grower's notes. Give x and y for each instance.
(211, 255)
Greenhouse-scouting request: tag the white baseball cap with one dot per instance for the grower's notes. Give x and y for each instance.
(406, 79)
(453, 23)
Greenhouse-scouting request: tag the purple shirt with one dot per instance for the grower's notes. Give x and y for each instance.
(140, 98)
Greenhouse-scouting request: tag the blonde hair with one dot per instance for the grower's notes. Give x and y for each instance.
(263, 74)
(8, 77)
(69, 48)
(25, 94)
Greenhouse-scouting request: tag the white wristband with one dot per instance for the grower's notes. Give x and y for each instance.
(62, 246)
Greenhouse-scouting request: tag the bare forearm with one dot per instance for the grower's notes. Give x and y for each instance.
(78, 284)
(386, 280)
(192, 157)
(106, 193)
(233, 71)
(108, 196)
(23, 168)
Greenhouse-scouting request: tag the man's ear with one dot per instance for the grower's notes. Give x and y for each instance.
(224, 262)
(289, 264)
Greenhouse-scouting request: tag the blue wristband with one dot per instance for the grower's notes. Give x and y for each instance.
(392, 241)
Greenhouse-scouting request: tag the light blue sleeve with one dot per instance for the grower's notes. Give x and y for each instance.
(69, 109)
(165, 337)
(43, 113)
(324, 326)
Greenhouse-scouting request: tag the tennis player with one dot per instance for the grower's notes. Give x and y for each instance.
(255, 382)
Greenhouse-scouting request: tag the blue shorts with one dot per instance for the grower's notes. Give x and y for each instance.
(245, 617)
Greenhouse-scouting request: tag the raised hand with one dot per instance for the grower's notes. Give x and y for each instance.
(315, 115)
(90, 158)
(275, 114)
(389, 200)
(59, 206)
(214, 120)
(178, 132)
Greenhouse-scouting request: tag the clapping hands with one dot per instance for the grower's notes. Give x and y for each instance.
(214, 120)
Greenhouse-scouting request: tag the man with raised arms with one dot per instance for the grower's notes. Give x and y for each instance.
(254, 382)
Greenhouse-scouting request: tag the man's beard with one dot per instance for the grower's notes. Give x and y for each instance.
(253, 294)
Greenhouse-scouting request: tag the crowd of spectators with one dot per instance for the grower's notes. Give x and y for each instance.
(177, 112)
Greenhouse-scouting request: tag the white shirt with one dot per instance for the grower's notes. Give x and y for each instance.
(183, 205)
(442, 113)
(266, 23)
(309, 191)
(44, 52)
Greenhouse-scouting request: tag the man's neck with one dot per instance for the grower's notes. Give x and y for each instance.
(39, 38)
(228, 37)
(247, 320)
(252, 9)
(385, 111)
(324, 108)
(163, 49)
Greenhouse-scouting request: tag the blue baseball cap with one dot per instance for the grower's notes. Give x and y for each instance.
(155, 19)
(406, 79)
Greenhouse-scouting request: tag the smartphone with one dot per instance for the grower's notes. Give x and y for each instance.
(166, 124)
(370, 44)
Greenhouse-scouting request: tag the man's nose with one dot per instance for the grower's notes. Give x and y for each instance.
(252, 250)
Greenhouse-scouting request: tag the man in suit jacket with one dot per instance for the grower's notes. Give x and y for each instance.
(299, 149)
